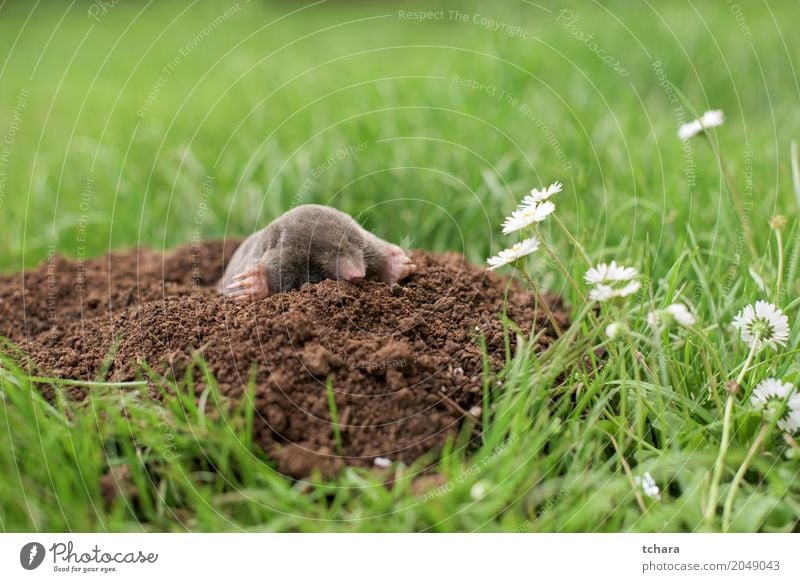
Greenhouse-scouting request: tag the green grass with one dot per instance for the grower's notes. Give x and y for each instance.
(243, 127)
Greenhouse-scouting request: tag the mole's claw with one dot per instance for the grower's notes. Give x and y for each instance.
(248, 285)
(398, 265)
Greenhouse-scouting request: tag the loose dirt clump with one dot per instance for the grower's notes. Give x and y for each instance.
(404, 363)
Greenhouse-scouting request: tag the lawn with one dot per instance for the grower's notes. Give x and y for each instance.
(159, 123)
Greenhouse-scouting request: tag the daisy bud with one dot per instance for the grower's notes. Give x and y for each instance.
(382, 462)
(480, 489)
(777, 222)
(732, 387)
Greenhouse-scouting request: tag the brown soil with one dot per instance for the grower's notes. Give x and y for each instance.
(404, 363)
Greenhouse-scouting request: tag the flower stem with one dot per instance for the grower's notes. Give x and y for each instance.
(548, 312)
(561, 267)
(573, 240)
(737, 479)
(779, 282)
(662, 360)
(746, 365)
(713, 492)
(628, 472)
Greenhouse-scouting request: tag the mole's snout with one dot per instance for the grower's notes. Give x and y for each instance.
(350, 270)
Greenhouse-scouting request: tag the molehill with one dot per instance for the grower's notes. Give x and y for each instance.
(404, 363)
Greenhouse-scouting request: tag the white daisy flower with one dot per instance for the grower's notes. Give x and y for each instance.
(601, 293)
(517, 251)
(770, 388)
(709, 119)
(768, 396)
(628, 289)
(528, 215)
(762, 325)
(613, 330)
(607, 279)
(648, 486)
(791, 422)
(676, 313)
(537, 196)
(681, 314)
(603, 273)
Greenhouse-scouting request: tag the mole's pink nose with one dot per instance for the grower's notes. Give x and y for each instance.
(349, 271)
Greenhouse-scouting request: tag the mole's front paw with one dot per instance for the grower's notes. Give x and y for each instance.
(249, 285)
(398, 265)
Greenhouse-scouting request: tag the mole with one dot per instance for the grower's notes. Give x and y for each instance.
(306, 245)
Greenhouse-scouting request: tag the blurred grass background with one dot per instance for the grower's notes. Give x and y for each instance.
(149, 100)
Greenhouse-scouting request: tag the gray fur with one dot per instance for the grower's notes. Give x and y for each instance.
(306, 245)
